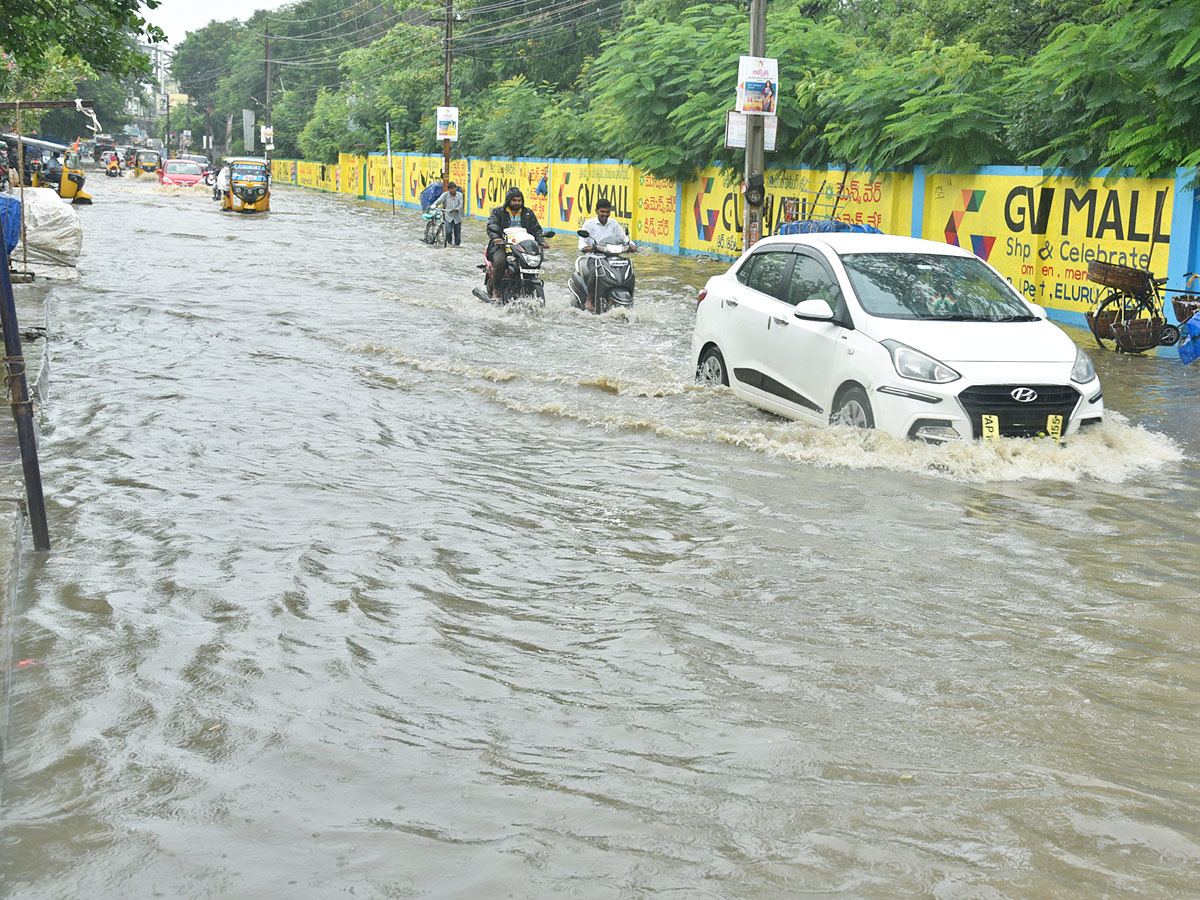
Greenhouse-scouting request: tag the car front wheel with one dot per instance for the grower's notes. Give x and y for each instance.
(852, 408)
(711, 369)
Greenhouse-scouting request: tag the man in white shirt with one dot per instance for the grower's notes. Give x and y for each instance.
(452, 202)
(602, 229)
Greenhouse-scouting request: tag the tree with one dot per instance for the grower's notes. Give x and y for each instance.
(98, 33)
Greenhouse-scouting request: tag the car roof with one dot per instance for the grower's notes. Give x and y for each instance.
(844, 242)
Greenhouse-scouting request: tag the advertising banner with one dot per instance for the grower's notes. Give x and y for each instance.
(656, 210)
(712, 208)
(421, 171)
(735, 131)
(758, 85)
(576, 186)
(491, 179)
(350, 170)
(447, 123)
(1041, 233)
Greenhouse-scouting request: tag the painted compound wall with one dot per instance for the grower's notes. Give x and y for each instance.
(1040, 230)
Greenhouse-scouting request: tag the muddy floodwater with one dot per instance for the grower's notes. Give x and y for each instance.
(362, 588)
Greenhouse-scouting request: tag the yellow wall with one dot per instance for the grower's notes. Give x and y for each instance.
(1041, 232)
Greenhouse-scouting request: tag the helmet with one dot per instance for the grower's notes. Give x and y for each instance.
(513, 192)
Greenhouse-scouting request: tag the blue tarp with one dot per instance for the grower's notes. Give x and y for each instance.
(824, 226)
(10, 220)
(430, 194)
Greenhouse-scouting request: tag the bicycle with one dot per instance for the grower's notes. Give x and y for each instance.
(1131, 317)
(435, 228)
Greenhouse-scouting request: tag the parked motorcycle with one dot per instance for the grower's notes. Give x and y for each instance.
(611, 274)
(522, 277)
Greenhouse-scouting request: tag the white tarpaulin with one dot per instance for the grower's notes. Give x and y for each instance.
(53, 235)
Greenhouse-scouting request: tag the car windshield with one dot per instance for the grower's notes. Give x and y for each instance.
(149, 157)
(251, 172)
(932, 286)
(182, 167)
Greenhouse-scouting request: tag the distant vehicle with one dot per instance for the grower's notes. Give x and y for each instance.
(66, 177)
(182, 172)
(101, 143)
(146, 162)
(917, 338)
(249, 185)
(201, 161)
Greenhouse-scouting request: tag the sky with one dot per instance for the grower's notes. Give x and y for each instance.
(178, 17)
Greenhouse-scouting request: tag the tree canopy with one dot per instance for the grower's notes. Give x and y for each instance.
(99, 33)
(874, 84)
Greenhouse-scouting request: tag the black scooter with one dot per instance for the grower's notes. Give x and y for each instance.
(611, 274)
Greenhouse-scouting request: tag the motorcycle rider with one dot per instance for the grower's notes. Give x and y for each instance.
(601, 229)
(514, 212)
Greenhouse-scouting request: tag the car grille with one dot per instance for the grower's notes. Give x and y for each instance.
(1018, 419)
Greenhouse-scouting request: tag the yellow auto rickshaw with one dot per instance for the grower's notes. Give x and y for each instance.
(63, 171)
(249, 185)
(146, 161)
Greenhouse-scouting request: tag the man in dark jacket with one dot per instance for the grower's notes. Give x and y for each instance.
(513, 212)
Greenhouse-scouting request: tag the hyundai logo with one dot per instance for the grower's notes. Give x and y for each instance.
(1024, 395)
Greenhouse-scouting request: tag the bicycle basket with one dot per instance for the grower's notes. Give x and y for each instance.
(1138, 335)
(1123, 278)
(1185, 309)
(1101, 323)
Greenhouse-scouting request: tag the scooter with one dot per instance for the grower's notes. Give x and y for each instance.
(612, 275)
(524, 266)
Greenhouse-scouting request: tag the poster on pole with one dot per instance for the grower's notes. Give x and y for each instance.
(758, 85)
(735, 131)
(447, 123)
(268, 137)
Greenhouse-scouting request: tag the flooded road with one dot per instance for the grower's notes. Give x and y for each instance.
(362, 588)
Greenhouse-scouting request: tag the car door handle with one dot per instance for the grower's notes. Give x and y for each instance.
(779, 321)
(729, 301)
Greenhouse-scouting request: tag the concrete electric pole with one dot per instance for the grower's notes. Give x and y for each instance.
(755, 130)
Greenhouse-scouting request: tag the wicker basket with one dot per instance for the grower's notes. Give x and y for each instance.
(1123, 278)
(1101, 323)
(1138, 335)
(1185, 309)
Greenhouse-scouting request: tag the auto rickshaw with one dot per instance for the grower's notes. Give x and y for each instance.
(68, 180)
(146, 161)
(249, 185)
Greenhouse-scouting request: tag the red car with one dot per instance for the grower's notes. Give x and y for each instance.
(183, 172)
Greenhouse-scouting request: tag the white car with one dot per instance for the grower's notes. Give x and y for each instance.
(920, 339)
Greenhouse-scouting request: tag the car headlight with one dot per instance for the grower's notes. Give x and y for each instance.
(919, 366)
(1083, 371)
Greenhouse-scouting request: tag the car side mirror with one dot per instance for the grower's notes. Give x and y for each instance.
(813, 309)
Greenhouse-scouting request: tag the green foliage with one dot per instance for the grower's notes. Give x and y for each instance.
(875, 84)
(99, 33)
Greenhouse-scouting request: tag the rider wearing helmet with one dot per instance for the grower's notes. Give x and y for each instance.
(513, 212)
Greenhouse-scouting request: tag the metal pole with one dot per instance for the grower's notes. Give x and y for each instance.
(22, 408)
(755, 132)
(446, 85)
(387, 130)
(267, 103)
(21, 191)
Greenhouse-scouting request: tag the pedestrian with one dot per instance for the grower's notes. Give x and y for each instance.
(451, 203)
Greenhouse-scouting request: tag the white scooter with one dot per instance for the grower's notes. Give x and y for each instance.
(609, 271)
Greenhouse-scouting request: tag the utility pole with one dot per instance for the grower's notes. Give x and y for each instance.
(167, 136)
(755, 131)
(446, 142)
(267, 98)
